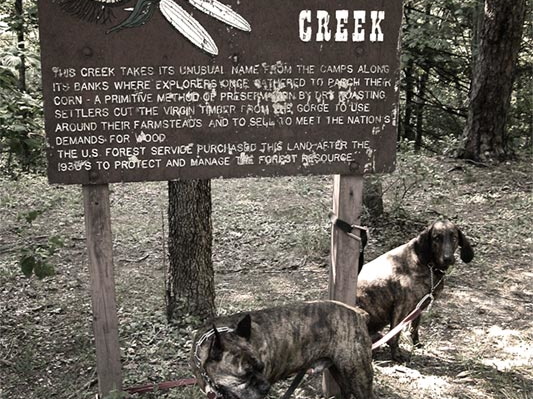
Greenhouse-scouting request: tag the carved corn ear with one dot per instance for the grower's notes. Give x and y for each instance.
(188, 26)
(222, 12)
(467, 253)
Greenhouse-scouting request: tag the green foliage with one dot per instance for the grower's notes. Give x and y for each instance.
(36, 253)
(22, 138)
(439, 42)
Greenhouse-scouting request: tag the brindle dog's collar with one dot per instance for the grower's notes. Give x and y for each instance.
(212, 390)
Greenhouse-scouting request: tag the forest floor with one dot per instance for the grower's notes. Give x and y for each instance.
(271, 246)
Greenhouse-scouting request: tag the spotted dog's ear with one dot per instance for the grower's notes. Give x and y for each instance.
(467, 253)
(244, 328)
(217, 347)
(423, 246)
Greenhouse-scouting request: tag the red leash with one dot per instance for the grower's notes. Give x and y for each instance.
(408, 319)
(163, 386)
(192, 381)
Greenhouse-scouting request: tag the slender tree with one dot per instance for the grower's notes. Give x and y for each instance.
(419, 108)
(190, 279)
(19, 27)
(499, 42)
(422, 85)
(409, 101)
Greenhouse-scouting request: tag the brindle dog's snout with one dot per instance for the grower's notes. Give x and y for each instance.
(261, 384)
(264, 388)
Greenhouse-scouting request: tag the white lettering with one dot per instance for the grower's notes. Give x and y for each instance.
(324, 33)
(358, 31)
(305, 31)
(342, 19)
(321, 27)
(377, 33)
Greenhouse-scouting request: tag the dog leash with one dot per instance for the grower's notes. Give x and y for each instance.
(408, 319)
(211, 388)
(163, 386)
(413, 315)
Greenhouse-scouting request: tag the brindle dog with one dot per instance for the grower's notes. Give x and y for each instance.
(391, 286)
(240, 356)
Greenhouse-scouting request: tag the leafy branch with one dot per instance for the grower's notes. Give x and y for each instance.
(35, 255)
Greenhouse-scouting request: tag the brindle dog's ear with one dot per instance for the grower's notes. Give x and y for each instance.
(217, 347)
(467, 253)
(423, 246)
(244, 328)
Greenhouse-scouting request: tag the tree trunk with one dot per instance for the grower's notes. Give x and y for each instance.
(499, 42)
(479, 10)
(190, 279)
(409, 72)
(19, 13)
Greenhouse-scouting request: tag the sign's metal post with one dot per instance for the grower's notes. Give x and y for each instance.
(105, 320)
(347, 205)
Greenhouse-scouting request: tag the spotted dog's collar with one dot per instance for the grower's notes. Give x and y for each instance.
(433, 269)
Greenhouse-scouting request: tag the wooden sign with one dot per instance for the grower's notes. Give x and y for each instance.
(165, 89)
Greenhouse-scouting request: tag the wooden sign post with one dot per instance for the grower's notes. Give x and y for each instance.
(140, 91)
(347, 206)
(105, 320)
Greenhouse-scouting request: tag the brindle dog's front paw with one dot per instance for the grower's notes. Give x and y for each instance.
(399, 356)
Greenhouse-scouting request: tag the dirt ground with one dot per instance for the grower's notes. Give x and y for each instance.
(271, 246)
